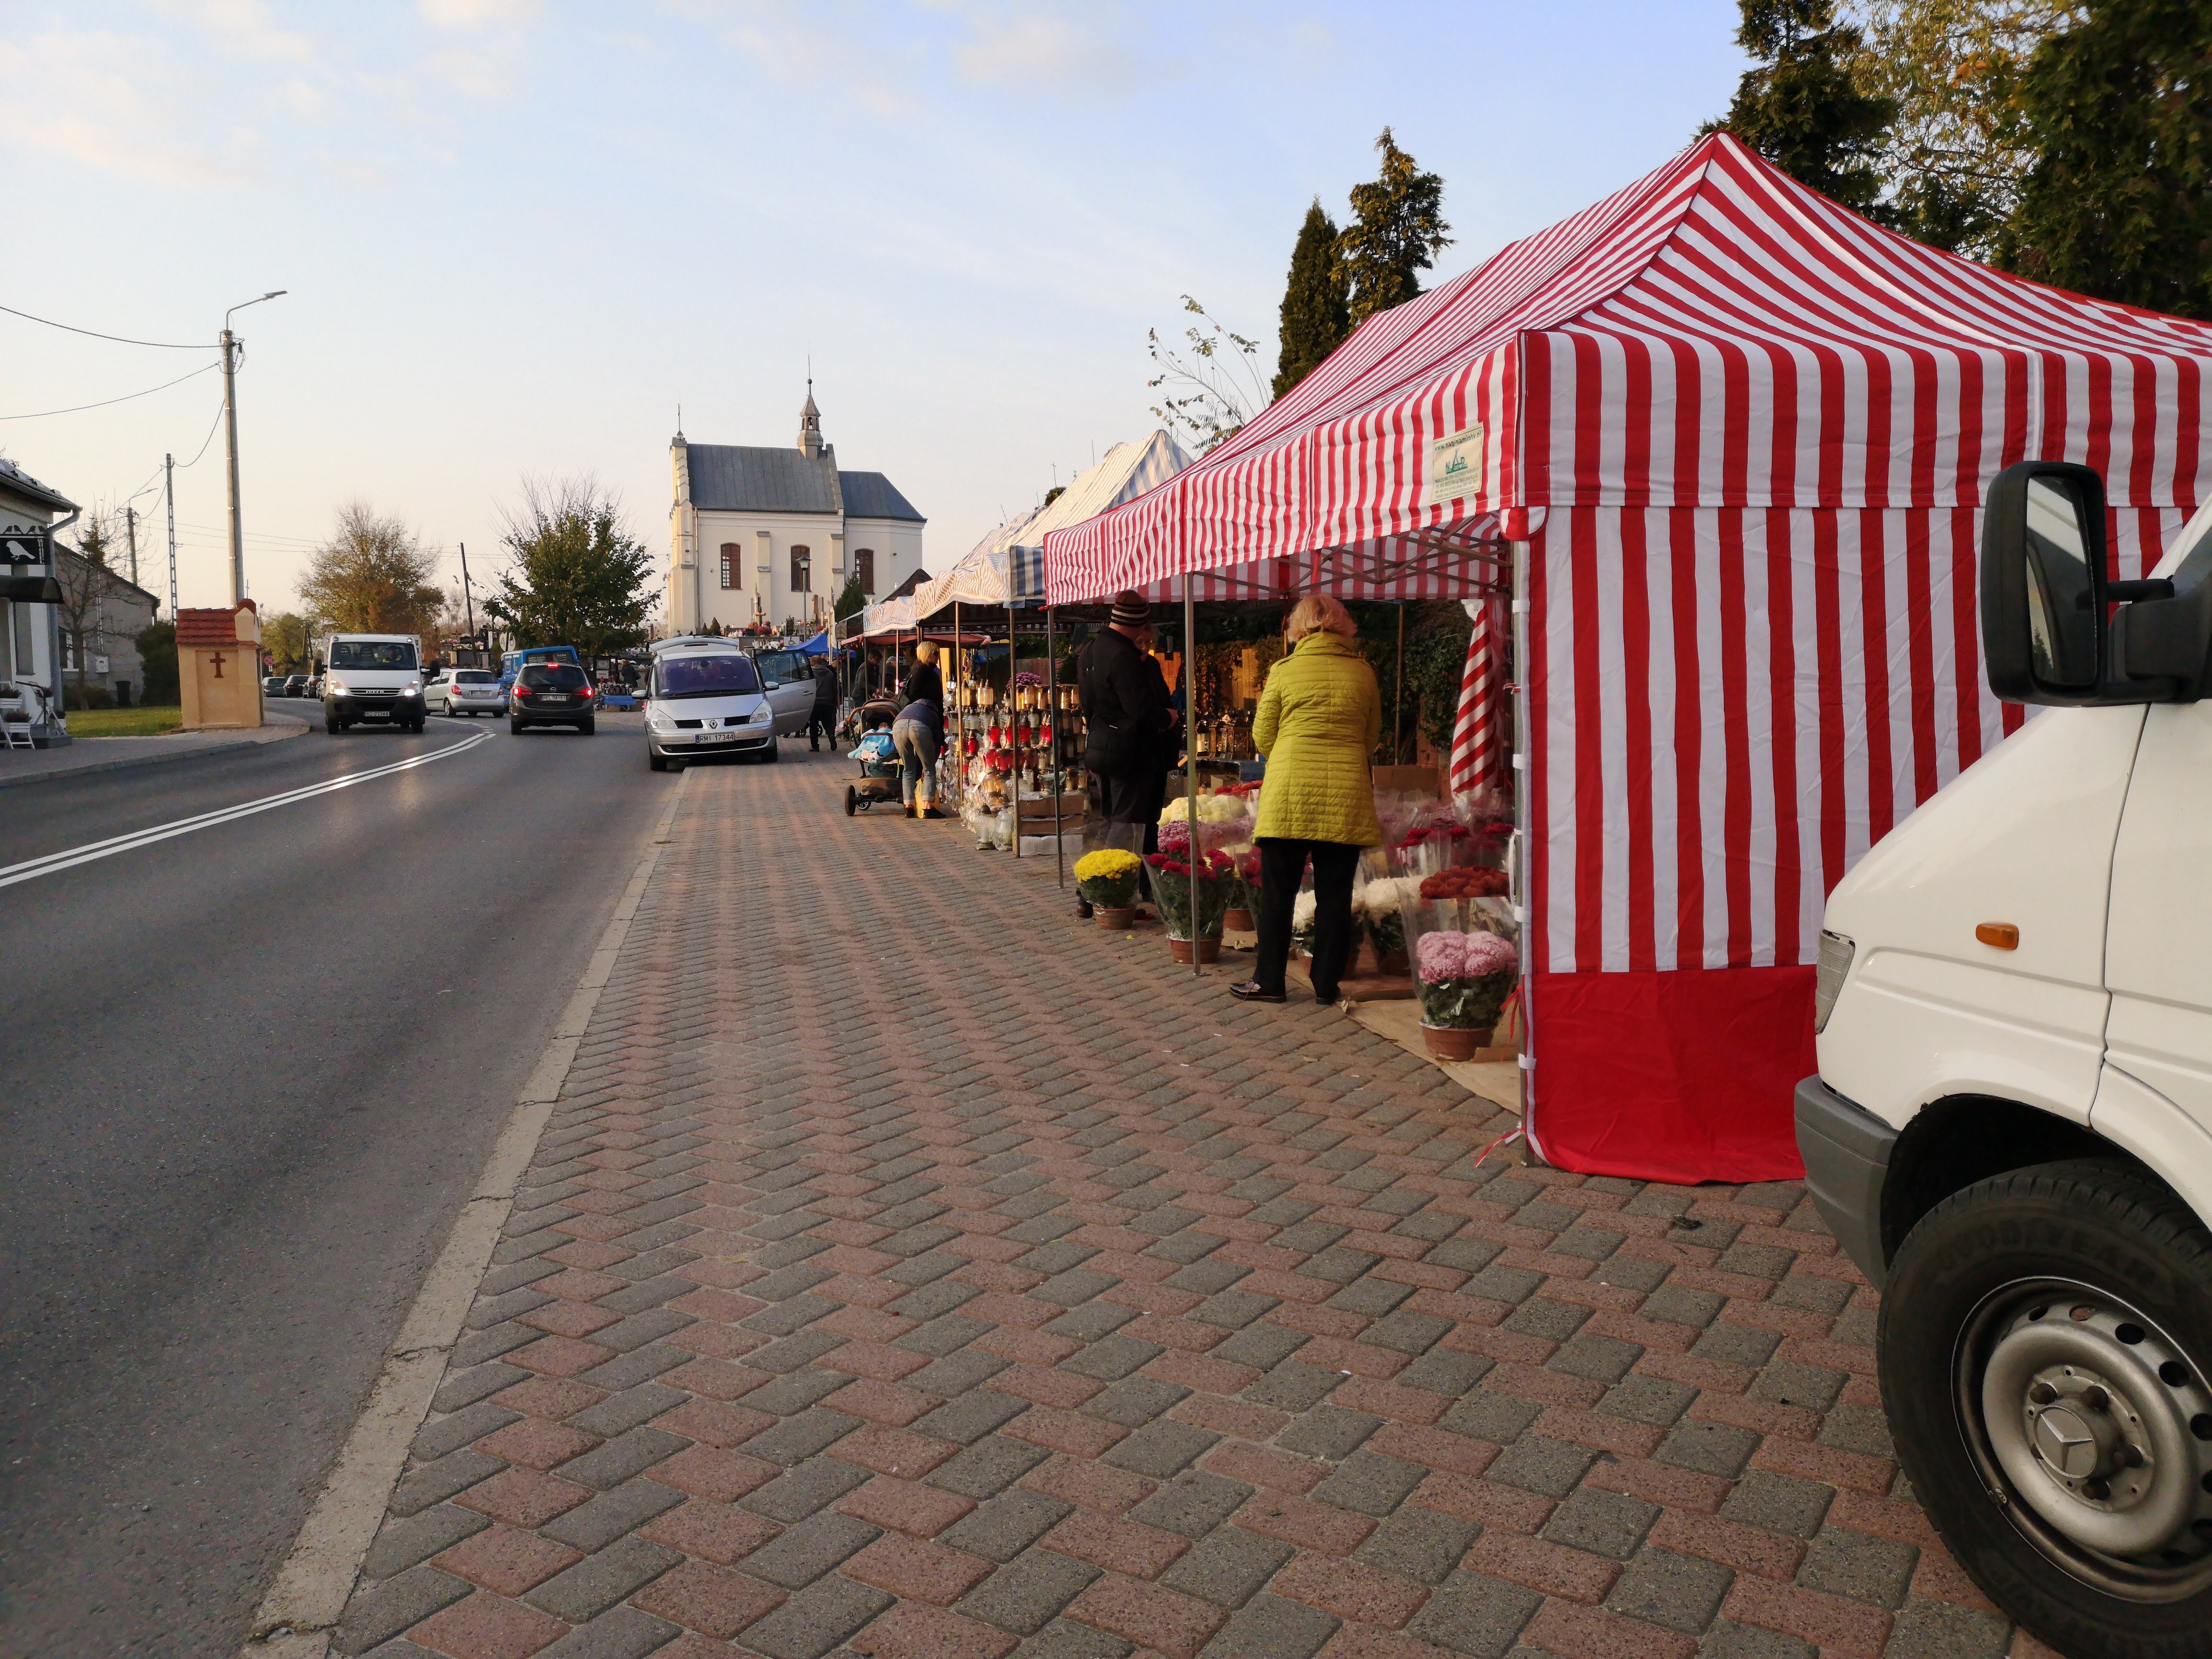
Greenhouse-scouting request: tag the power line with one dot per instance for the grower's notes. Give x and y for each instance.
(161, 345)
(79, 408)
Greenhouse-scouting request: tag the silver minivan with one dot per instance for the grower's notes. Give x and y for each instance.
(705, 698)
(788, 679)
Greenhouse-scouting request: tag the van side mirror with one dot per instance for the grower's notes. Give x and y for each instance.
(2043, 585)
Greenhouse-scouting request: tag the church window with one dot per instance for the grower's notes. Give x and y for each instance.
(730, 568)
(865, 568)
(802, 561)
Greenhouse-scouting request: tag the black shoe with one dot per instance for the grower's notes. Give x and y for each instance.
(1083, 909)
(1252, 991)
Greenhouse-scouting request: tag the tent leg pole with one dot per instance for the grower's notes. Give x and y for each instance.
(1051, 719)
(1190, 754)
(1398, 703)
(1520, 770)
(1014, 730)
(959, 716)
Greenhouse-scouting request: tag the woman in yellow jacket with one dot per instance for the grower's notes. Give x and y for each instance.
(1318, 723)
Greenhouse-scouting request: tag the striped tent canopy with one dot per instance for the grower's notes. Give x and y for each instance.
(1742, 438)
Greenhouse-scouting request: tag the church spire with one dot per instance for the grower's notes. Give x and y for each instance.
(810, 424)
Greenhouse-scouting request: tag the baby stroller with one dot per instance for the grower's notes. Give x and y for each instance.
(879, 772)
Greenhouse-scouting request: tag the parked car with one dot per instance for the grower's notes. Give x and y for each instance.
(463, 692)
(2011, 1132)
(371, 677)
(272, 685)
(550, 694)
(788, 679)
(704, 698)
(295, 685)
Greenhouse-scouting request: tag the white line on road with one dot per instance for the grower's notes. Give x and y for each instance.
(300, 1613)
(31, 869)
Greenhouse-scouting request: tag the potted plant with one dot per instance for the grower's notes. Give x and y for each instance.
(1107, 879)
(1464, 979)
(1245, 891)
(1191, 899)
(1382, 907)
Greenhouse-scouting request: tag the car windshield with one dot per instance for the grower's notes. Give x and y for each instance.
(553, 677)
(372, 654)
(475, 676)
(724, 674)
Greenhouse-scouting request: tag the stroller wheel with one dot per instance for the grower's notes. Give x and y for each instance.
(852, 800)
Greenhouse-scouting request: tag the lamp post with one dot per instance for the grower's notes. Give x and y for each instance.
(230, 440)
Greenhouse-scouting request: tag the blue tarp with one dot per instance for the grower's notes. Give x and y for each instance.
(817, 647)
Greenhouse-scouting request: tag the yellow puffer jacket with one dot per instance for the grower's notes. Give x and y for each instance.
(1318, 723)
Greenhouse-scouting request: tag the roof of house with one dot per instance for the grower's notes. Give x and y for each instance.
(206, 626)
(123, 583)
(16, 482)
(872, 495)
(746, 478)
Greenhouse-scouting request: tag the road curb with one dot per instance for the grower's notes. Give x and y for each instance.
(297, 729)
(300, 1610)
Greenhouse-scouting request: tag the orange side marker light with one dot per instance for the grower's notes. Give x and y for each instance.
(2003, 935)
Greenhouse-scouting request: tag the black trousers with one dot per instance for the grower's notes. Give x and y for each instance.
(1282, 866)
(1136, 798)
(823, 722)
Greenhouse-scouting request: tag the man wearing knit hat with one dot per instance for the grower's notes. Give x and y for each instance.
(1129, 724)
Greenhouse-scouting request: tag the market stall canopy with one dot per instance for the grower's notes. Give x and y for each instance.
(1007, 566)
(817, 647)
(1714, 335)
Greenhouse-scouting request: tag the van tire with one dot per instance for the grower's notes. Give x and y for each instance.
(767, 755)
(1963, 1291)
(332, 723)
(655, 760)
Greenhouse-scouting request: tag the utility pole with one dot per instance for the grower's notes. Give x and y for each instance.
(467, 597)
(230, 442)
(131, 525)
(169, 495)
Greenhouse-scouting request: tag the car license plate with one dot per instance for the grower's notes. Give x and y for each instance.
(552, 696)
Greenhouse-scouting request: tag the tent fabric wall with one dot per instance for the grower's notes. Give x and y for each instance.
(1740, 440)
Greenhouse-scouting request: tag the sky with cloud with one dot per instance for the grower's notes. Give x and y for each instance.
(517, 234)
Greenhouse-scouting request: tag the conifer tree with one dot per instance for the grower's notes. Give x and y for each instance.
(1802, 108)
(2116, 204)
(1397, 230)
(1316, 312)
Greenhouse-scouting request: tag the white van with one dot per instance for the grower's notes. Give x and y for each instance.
(705, 697)
(371, 677)
(2011, 1131)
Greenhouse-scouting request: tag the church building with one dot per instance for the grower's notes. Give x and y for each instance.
(772, 535)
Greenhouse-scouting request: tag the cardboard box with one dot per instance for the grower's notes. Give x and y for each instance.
(1071, 809)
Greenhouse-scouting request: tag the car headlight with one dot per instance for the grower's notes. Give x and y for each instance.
(1836, 954)
(410, 691)
(759, 713)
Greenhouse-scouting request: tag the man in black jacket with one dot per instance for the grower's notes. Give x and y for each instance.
(822, 722)
(1129, 725)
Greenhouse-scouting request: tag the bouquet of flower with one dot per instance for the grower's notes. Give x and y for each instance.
(1191, 898)
(1381, 906)
(1464, 979)
(1302, 922)
(1465, 881)
(1108, 878)
(1245, 861)
(1221, 808)
(1214, 834)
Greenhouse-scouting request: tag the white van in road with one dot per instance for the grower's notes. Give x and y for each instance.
(371, 677)
(705, 698)
(2011, 1130)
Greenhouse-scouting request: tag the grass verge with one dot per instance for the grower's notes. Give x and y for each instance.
(123, 722)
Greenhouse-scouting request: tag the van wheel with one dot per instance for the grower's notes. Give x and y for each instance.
(655, 761)
(767, 755)
(2043, 1341)
(332, 723)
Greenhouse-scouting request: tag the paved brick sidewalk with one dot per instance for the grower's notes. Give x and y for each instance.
(911, 1270)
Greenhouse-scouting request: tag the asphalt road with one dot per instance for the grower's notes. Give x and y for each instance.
(246, 1075)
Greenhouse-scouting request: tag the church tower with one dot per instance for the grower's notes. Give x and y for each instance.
(810, 426)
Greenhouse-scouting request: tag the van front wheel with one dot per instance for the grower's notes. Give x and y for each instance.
(2042, 1349)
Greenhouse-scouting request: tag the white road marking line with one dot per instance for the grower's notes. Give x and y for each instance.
(300, 1611)
(31, 869)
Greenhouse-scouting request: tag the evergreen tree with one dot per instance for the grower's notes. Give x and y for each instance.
(1317, 314)
(851, 601)
(1397, 229)
(2116, 204)
(1801, 109)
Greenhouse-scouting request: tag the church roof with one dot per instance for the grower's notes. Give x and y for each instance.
(872, 495)
(743, 478)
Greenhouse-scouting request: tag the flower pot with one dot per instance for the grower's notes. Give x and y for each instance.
(1236, 921)
(1455, 1041)
(1209, 950)
(1392, 963)
(1115, 920)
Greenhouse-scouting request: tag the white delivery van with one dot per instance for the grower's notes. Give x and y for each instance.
(2011, 1131)
(371, 677)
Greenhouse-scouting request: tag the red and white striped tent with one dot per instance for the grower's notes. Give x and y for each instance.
(1739, 440)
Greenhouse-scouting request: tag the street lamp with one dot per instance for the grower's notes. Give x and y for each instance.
(230, 439)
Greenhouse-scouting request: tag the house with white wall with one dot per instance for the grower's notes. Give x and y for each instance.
(30, 632)
(762, 535)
